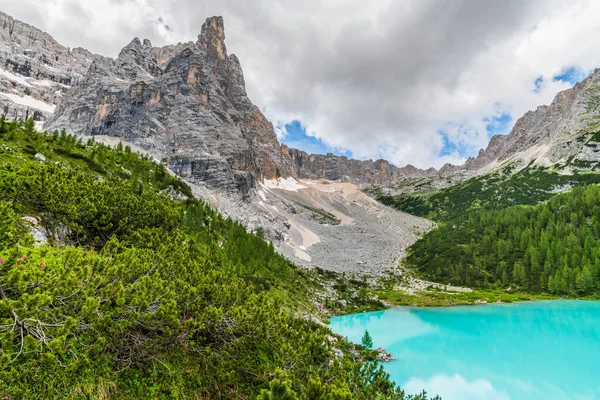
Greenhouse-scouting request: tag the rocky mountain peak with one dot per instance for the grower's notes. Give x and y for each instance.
(140, 55)
(549, 134)
(186, 103)
(212, 41)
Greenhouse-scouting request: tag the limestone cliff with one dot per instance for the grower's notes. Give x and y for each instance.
(35, 70)
(340, 168)
(186, 102)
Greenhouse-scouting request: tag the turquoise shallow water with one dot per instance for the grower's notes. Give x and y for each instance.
(536, 350)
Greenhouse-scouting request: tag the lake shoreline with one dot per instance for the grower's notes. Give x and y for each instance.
(474, 298)
(451, 299)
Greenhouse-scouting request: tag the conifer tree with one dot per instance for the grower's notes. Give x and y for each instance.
(366, 340)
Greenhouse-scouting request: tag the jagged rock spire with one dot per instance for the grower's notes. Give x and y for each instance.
(212, 41)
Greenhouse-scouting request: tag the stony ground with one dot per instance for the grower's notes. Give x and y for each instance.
(331, 225)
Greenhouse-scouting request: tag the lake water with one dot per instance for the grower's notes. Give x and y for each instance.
(535, 350)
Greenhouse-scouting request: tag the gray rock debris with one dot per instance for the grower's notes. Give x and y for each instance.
(42, 233)
(338, 353)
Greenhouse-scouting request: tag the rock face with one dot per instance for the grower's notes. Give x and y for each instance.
(187, 103)
(339, 168)
(384, 356)
(35, 70)
(550, 134)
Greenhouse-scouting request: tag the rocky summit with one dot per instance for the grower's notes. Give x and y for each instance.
(556, 134)
(187, 103)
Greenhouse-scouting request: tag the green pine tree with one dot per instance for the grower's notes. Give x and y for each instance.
(366, 340)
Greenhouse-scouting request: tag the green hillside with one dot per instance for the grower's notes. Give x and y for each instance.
(553, 247)
(511, 231)
(144, 292)
(494, 191)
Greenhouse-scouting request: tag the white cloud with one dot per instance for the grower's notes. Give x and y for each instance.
(380, 78)
(455, 388)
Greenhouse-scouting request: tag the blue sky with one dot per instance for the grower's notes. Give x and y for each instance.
(297, 138)
(498, 124)
(572, 75)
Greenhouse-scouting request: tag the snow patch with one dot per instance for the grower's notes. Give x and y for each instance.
(261, 194)
(26, 81)
(47, 83)
(13, 77)
(289, 184)
(30, 102)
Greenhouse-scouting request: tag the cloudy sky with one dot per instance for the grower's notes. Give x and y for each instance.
(423, 82)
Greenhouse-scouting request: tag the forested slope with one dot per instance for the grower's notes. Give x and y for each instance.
(493, 191)
(552, 247)
(143, 292)
(511, 230)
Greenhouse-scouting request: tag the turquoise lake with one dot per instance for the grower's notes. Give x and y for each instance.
(535, 350)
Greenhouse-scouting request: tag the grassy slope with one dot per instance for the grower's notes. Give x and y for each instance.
(140, 295)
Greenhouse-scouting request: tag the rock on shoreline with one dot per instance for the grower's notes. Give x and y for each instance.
(383, 355)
